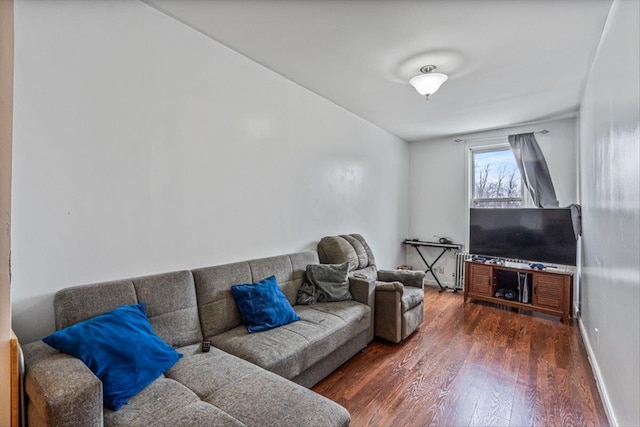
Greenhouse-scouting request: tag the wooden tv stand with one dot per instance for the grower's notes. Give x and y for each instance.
(549, 292)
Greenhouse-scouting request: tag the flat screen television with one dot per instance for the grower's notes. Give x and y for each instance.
(540, 235)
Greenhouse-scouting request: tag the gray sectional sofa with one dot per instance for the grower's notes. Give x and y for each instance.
(247, 379)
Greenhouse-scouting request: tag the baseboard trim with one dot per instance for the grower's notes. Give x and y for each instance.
(598, 376)
(448, 285)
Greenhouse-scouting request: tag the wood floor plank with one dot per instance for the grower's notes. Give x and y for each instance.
(472, 364)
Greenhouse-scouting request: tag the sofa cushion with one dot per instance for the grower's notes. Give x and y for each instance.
(263, 305)
(218, 310)
(170, 303)
(365, 273)
(367, 248)
(289, 350)
(166, 402)
(336, 250)
(282, 267)
(78, 303)
(171, 306)
(120, 348)
(413, 278)
(411, 298)
(363, 259)
(251, 394)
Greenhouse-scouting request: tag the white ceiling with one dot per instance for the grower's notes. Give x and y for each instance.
(509, 61)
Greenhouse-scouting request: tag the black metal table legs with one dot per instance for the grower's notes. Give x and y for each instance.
(430, 267)
(445, 247)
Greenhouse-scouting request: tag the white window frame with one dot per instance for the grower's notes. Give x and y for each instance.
(472, 183)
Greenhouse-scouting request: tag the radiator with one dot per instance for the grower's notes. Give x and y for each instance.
(461, 257)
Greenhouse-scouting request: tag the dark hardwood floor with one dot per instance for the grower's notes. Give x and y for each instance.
(473, 364)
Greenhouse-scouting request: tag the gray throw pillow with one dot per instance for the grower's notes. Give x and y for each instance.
(330, 280)
(309, 294)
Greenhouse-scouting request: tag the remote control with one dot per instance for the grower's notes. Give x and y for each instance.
(206, 345)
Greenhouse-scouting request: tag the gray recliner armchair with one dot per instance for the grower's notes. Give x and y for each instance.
(399, 302)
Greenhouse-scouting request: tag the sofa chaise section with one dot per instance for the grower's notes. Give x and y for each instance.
(223, 391)
(251, 394)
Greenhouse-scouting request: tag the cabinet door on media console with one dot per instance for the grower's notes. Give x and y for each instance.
(548, 291)
(481, 280)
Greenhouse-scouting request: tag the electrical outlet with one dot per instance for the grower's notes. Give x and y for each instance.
(597, 335)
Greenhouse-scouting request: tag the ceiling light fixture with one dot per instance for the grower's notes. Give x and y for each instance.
(428, 83)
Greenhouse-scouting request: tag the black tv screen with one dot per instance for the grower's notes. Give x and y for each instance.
(539, 235)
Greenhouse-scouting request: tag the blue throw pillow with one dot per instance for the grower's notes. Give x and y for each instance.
(263, 305)
(120, 348)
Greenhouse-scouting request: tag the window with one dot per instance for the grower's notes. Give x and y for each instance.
(496, 179)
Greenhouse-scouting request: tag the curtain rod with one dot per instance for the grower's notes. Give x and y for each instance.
(543, 132)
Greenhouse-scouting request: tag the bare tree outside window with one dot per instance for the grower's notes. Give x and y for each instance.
(496, 181)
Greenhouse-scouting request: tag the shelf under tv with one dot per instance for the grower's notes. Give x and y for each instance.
(551, 291)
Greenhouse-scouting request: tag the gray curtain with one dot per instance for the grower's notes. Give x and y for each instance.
(576, 219)
(533, 169)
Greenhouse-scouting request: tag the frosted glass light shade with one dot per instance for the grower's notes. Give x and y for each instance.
(428, 83)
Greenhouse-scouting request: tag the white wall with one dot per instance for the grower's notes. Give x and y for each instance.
(610, 198)
(438, 183)
(6, 115)
(142, 146)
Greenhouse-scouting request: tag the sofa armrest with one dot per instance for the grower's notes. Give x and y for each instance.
(364, 291)
(60, 389)
(390, 287)
(388, 319)
(406, 277)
